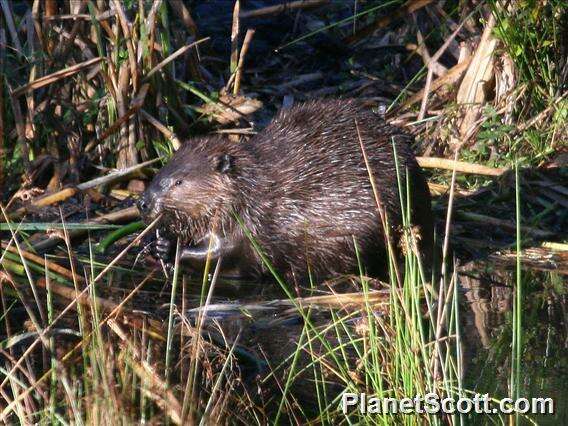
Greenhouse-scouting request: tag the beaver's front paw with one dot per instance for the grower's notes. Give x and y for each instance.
(163, 248)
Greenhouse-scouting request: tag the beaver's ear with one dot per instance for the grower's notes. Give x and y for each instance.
(223, 163)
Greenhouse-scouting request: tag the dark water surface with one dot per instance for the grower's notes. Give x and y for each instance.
(260, 313)
(487, 302)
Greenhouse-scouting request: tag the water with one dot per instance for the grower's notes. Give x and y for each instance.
(487, 300)
(260, 315)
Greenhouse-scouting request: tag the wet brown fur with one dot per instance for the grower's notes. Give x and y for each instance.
(301, 187)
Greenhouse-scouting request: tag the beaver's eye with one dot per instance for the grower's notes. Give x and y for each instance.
(178, 182)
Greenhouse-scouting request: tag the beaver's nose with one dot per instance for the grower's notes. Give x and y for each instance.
(143, 204)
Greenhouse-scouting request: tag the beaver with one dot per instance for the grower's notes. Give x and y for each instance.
(296, 198)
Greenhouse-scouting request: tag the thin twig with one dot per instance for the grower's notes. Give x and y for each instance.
(241, 64)
(173, 56)
(460, 166)
(12, 27)
(56, 76)
(281, 8)
(162, 129)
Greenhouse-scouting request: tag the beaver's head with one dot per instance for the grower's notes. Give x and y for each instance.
(196, 187)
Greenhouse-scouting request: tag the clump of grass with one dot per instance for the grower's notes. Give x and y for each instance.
(93, 79)
(533, 35)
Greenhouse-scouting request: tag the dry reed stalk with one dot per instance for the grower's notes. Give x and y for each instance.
(459, 166)
(380, 208)
(135, 106)
(54, 267)
(50, 7)
(155, 387)
(473, 89)
(21, 132)
(30, 130)
(125, 26)
(437, 69)
(70, 192)
(453, 75)
(63, 48)
(56, 76)
(71, 16)
(173, 56)
(151, 23)
(437, 352)
(9, 17)
(142, 20)
(50, 199)
(539, 258)
(281, 8)
(235, 38)
(376, 298)
(124, 149)
(37, 23)
(176, 143)
(555, 246)
(240, 67)
(431, 64)
(426, 92)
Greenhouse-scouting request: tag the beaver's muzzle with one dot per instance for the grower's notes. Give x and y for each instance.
(147, 205)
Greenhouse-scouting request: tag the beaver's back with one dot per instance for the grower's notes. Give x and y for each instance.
(319, 187)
